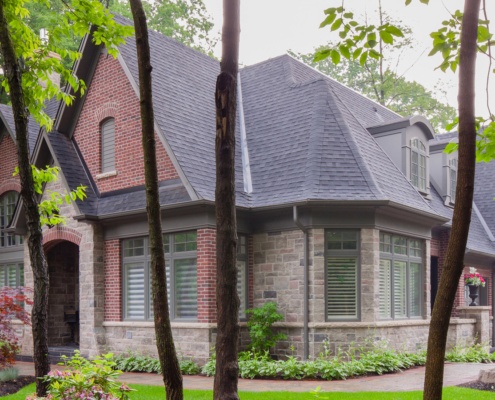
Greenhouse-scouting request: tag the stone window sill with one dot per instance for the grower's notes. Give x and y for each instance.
(106, 175)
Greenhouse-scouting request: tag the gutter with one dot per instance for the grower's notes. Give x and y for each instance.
(305, 285)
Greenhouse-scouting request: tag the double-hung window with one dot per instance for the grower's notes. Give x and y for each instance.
(181, 271)
(108, 145)
(418, 164)
(7, 206)
(342, 274)
(401, 267)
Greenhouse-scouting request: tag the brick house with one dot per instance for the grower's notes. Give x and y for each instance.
(344, 209)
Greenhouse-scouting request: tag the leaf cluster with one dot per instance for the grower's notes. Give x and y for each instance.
(135, 362)
(38, 58)
(260, 327)
(49, 208)
(357, 41)
(12, 301)
(86, 379)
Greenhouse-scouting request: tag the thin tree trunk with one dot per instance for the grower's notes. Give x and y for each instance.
(38, 262)
(164, 341)
(453, 266)
(227, 369)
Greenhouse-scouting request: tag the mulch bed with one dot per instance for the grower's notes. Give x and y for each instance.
(479, 386)
(14, 386)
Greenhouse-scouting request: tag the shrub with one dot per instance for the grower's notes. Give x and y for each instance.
(135, 362)
(260, 326)
(476, 353)
(8, 374)
(12, 302)
(86, 379)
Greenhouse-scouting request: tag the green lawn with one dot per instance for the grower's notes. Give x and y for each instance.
(156, 392)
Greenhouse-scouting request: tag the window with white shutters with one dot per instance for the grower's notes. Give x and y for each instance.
(181, 271)
(418, 164)
(400, 277)
(12, 275)
(453, 178)
(108, 145)
(342, 274)
(242, 274)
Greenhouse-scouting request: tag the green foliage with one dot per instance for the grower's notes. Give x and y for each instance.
(134, 362)
(86, 379)
(187, 21)
(50, 208)
(260, 326)
(76, 20)
(377, 360)
(476, 353)
(8, 374)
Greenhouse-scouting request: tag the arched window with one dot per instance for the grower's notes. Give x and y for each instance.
(7, 206)
(108, 145)
(418, 164)
(453, 178)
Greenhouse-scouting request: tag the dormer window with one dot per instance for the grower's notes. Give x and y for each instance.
(108, 145)
(418, 164)
(453, 178)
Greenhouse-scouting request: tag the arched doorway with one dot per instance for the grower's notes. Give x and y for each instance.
(63, 300)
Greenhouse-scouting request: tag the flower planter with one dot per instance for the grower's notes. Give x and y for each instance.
(473, 294)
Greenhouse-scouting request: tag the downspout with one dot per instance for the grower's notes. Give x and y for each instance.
(305, 284)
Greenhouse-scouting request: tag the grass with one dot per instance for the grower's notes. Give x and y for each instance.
(157, 392)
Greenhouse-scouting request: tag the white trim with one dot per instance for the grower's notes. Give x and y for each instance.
(246, 168)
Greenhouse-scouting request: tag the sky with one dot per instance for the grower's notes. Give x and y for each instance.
(270, 27)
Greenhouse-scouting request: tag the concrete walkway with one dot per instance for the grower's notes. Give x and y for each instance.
(412, 379)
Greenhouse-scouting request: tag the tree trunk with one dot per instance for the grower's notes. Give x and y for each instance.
(227, 369)
(164, 341)
(453, 266)
(37, 257)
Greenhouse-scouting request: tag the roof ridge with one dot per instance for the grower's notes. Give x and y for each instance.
(352, 143)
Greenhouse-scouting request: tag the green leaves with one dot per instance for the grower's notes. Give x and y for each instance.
(357, 40)
(49, 206)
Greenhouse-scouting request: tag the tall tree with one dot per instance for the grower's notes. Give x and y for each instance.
(164, 341)
(25, 63)
(454, 259)
(227, 368)
(187, 21)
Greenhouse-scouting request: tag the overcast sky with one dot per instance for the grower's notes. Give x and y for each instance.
(270, 27)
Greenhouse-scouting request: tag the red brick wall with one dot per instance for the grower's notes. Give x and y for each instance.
(113, 281)
(111, 95)
(206, 275)
(8, 162)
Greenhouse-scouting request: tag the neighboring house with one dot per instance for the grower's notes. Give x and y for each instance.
(343, 209)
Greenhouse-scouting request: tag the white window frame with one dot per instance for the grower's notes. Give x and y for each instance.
(343, 256)
(242, 274)
(419, 168)
(391, 252)
(145, 260)
(8, 201)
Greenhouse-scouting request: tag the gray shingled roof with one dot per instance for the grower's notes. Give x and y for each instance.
(306, 132)
(33, 127)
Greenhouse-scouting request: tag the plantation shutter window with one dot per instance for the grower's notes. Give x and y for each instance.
(108, 145)
(12, 275)
(181, 272)
(342, 275)
(453, 178)
(401, 272)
